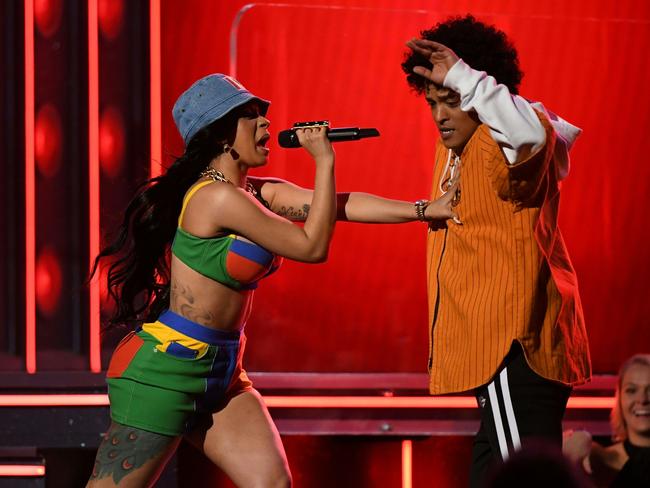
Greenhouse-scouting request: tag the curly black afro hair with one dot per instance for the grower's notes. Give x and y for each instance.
(480, 45)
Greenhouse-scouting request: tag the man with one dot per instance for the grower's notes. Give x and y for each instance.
(504, 311)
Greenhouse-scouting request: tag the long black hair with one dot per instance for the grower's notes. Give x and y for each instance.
(139, 269)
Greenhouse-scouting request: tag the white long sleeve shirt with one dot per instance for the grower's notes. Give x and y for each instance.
(512, 120)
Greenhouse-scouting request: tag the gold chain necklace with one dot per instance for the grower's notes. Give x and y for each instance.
(216, 175)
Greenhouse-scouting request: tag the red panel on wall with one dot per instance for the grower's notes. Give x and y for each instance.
(365, 309)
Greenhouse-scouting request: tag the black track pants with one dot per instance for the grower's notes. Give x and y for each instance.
(517, 406)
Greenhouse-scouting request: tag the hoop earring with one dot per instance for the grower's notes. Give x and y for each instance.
(226, 148)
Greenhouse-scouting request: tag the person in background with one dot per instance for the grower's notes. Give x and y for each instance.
(541, 466)
(194, 244)
(625, 463)
(505, 318)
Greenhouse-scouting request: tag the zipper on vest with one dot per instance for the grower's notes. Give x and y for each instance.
(435, 308)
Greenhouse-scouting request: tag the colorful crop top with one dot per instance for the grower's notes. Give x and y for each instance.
(229, 259)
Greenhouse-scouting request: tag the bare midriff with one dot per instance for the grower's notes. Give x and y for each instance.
(205, 301)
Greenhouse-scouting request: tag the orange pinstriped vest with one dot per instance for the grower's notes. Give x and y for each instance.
(505, 274)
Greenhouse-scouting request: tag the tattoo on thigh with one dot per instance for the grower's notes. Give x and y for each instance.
(125, 449)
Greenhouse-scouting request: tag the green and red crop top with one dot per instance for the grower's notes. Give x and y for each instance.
(229, 259)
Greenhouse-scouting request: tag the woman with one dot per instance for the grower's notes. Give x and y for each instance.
(179, 373)
(626, 463)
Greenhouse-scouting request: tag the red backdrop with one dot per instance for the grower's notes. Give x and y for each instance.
(365, 309)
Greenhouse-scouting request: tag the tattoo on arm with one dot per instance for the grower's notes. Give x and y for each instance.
(125, 449)
(298, 214)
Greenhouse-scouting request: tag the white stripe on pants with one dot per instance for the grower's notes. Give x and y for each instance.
(510, 415)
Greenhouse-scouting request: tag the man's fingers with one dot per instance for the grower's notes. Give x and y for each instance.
(425, 46)
(430, 45)
(424, 72)
(418, 49)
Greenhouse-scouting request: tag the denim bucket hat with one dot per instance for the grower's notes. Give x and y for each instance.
(209, 99)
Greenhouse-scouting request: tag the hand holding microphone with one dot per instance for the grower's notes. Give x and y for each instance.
(313, 138)
(289, 138)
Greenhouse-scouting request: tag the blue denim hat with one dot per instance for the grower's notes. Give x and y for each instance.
(209, 99)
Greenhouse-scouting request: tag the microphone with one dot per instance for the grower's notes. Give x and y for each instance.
(288, 138)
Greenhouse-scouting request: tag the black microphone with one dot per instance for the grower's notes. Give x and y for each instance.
(289, 138)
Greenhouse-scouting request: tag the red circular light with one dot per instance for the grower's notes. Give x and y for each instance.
(48, 282)
(47, 15)
(111, 142)
(48, 140)
(111, 14)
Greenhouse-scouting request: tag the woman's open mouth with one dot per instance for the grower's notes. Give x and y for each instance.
(261, 144)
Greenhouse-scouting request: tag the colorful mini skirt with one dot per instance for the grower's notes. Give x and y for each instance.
(167, 375)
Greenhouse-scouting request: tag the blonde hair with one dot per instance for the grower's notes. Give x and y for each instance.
(617, 421)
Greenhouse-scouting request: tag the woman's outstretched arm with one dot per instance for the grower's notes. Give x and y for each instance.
(294, 203)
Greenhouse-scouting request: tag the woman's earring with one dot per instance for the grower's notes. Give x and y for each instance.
(226, 148)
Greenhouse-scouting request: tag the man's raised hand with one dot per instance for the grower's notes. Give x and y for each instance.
(440, 56)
